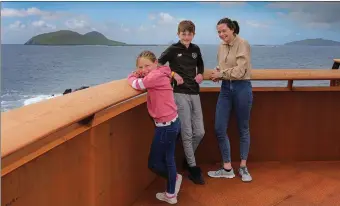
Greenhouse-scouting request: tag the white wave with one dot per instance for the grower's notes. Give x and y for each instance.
(39, 98)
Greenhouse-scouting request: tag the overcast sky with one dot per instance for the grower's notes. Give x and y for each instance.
(156, 22)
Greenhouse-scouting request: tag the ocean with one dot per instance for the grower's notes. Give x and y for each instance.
(34, 73)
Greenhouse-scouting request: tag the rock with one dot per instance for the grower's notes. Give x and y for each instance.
(70, 90)
(67, 91)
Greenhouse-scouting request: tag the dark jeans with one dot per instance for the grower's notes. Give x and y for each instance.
(237, 95)
(162, 153)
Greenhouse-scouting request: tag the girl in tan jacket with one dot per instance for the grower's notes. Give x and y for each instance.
(234, 69)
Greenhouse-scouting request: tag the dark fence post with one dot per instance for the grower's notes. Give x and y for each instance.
(336, 65)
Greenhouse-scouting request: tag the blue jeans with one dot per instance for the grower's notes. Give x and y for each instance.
(162, 153)
(237, 95)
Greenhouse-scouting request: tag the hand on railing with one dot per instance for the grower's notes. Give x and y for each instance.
(215, 75)
(139, 73)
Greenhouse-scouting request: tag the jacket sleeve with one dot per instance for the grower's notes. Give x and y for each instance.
(136, 82)
(200, 63)
(151, 80)
(242, 63)
(165, 56)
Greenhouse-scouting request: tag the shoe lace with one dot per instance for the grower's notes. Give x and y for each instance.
(218, 172)
(245, 170)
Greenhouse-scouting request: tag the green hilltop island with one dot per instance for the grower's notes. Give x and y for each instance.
(67, 37)
(314, 42)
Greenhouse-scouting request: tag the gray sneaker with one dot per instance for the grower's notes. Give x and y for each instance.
(243, 172)
(222, 173)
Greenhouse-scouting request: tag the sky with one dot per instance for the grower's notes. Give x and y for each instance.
(270, 23)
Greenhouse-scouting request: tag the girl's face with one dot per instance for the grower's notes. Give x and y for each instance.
(225, 34)
(146, 65)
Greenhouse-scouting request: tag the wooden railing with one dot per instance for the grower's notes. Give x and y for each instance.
(30, 131)
(336, 65)
(290, 75)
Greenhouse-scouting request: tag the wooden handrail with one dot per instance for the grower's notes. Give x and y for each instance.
(289, 74)
(22, 126)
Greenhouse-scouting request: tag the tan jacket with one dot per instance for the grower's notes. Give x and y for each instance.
(234, 59)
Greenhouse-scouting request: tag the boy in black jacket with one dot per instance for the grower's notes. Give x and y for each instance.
(185, 60)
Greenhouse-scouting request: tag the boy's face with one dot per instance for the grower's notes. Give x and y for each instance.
(186, 37)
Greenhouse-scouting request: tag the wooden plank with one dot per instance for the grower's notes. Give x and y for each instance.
(298, 126)
(337, 61)
(23, 126)
(316, 89)
(96, 167)
(115, 110)
(280, 89)
(38, 148)
(288, 74)
(298, 183)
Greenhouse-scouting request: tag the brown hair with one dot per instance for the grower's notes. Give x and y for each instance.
(186, 25)
(147, 55)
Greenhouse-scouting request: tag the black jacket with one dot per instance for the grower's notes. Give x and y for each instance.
(184, 62)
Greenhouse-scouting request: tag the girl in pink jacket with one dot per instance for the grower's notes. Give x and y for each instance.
(162, 108)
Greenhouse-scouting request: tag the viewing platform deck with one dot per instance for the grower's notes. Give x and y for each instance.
(81, 149)
(274, 184)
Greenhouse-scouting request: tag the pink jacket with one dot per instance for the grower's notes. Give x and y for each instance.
(160, 98)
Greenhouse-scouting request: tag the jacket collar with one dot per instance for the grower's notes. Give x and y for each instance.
(233, 41)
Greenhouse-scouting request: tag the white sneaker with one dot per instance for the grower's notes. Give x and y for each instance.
(162, 196)
(244, 173)
(178, 183)
(222, 173)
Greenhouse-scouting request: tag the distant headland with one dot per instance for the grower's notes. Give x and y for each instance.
(67, 37)
(314, 42)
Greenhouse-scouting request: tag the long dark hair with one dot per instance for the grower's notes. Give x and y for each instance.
(232, 25)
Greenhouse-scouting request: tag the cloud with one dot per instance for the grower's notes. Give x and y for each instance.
(159, 28)
(142, 28)
(17, 25)
(77, 24)
(8, 12)
(43, 24)
(257, 24)
(312, 14)
(152, 17)
(166, 18)
(19, 32)
(125, 29)
(162, 25)
(47, 21)
(163, 18)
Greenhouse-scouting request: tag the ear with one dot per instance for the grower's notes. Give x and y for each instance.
(156, 62)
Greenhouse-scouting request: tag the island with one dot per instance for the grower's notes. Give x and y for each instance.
(314, 42)
(67, 37)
